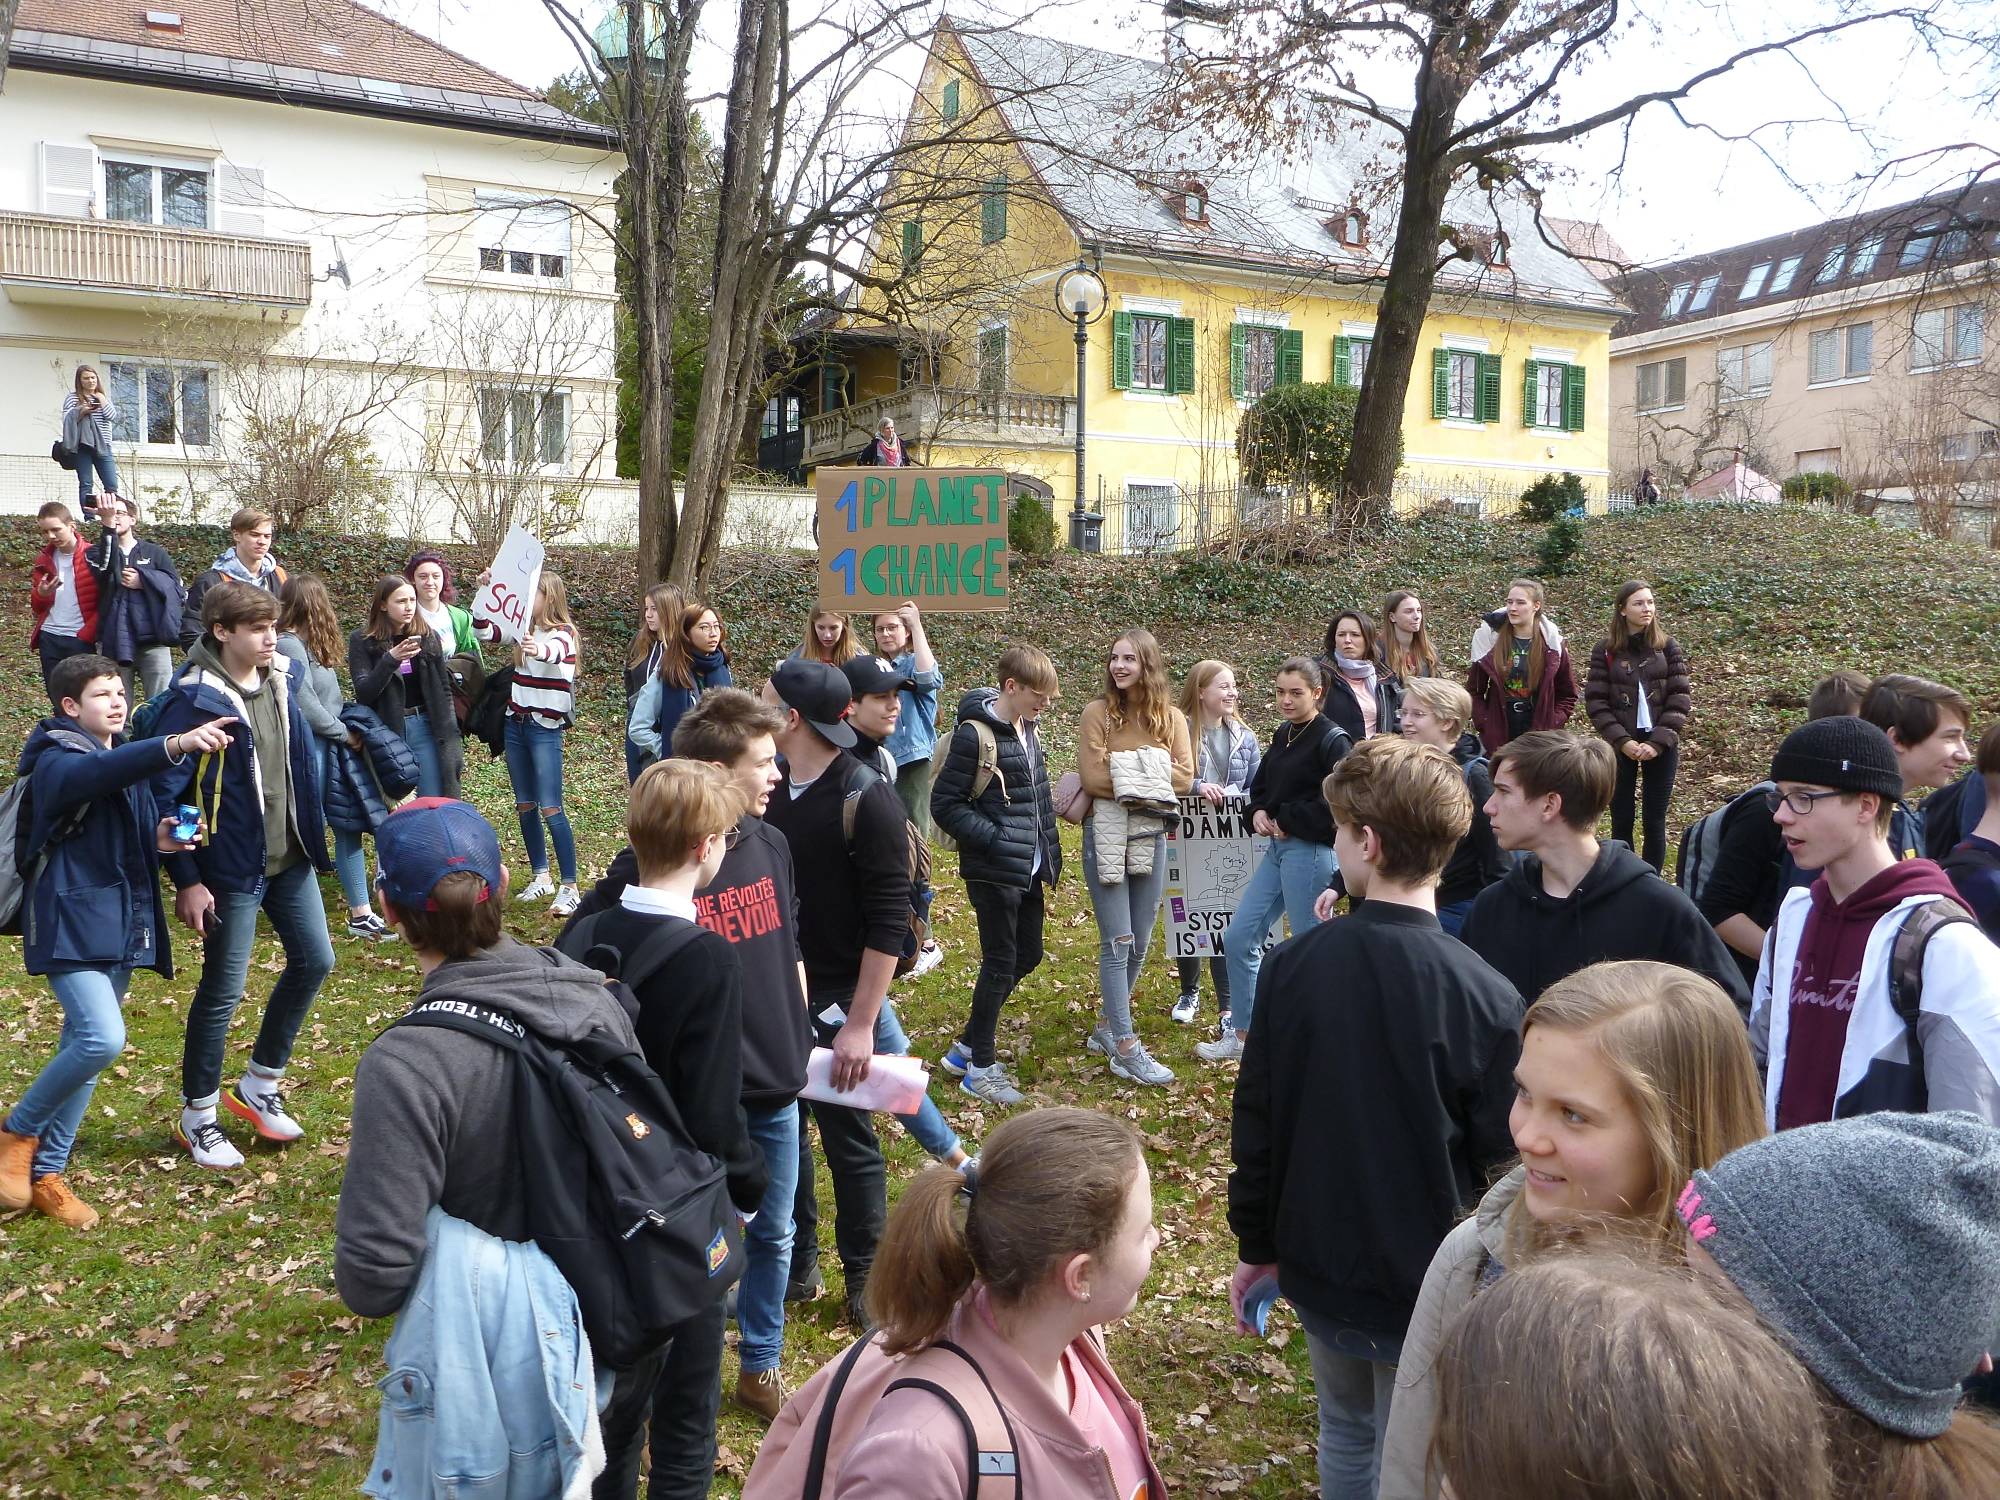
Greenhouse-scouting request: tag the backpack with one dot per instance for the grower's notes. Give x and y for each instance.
(17, 812)
(623, 976)
(634, 1215)
(860, 776)
(486, 721)
(144, 723)
(942, 1368)
(1702, 840)
(1906, 972)
(1939, 815)
(989, 767)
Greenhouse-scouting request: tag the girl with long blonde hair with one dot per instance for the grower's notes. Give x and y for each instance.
(1225, 759)
(829, 638)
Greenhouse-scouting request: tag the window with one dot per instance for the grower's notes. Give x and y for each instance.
(524, 428)
(141, 193)
(1662, 384)
(1957, 241)
(1350, 360)
(1497, 256)
(949, 106)
(522, 237)
(1152, 515)
(993, 362)
(1959, 447)
(1552, 395)
(1677, 299)
(913, 243)
(1947, 335)
(993, 212)
(1830, 268)
(1152, 352)
(1865, 254)
(1754, 282)
(1840, 353)
(1917, 248)
(1781, 280)
(1149, 354)
(161, 404)
(1261, 357)
(916, 367)
(1744, 371)
(1352, 227)
(1465, 386)
(1704, 294)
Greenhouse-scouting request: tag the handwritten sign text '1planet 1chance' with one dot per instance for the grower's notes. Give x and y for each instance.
(938, 536)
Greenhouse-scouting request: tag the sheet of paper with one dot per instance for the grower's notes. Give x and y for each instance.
(508, 598)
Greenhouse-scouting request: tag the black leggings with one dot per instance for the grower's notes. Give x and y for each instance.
(1218, 969)
(1659, 778)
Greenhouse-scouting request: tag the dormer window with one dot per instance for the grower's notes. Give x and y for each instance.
(1496, 252)
(163, 20)
(1350, 228)
(1189, 202)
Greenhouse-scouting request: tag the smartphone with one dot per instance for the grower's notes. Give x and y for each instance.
(187, 825)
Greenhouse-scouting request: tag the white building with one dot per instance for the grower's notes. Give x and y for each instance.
(310, 252)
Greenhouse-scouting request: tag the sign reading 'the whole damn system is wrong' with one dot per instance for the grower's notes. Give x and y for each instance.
(938, 536)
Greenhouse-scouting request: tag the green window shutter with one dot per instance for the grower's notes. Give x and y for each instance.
(1121, 351)
(1573, 398)
(1180, 356)
(950, 106)
(913, 243)
(1489, 387)
(1238, 359)
(832, 387)
(1531, 379)
(1343, 360)
(1440, 382)
(1291, 357)
(993, 212)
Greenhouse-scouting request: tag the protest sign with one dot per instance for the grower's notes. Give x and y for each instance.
(938, 536)
(508, 596)
(1211, 853)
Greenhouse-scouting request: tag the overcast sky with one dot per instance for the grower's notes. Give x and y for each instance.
(1681, 189)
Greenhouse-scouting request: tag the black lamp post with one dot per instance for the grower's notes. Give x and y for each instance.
(1080, 296)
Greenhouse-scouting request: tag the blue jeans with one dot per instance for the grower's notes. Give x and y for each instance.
(1354, 1375)
(424, 746)
(535, 768)
(93, 1034)
(291, 900)
(767, 1241)
(1288, 879)
(1126, 913)
(88, 459)
(350, 864)
(927, 1127)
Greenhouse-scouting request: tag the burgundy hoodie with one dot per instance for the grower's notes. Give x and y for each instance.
(1825, 976)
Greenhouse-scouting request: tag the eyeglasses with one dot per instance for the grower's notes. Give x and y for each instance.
(733, 837)
(1801, 803)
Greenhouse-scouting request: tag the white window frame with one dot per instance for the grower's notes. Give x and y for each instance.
(1549, 393)
(1865, 255)
(1142, 378)
(1155, 537)
(490, 204)
(1745, 358)
(135, 411)
(1950, 345)
(1784, 273)
(1845, 369)
(1704, 294)
(1663, 399)
(1254, 334)
(1831, 265)
(510, 436)
(1753, 281)
(205, 168)
(1461, 379)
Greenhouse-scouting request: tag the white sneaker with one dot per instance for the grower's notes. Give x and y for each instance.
(537, 889)
(1140, 1066)
(928, 957)
(1185, 1008)
(992, 1085)
(568, 899)
(1226, 1048)
(260, 1101)
(1099, 1041)
(207, 1144)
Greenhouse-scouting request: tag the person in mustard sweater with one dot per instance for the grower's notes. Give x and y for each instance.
(1134, 715)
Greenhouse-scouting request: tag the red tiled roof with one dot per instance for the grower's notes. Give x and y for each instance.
(330, 36)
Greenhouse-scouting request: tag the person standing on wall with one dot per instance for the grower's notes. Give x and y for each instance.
(1638, 694)
(885, 449)
(87, 418)
(248, 560)
(139, 600)
(399, 671)
(1520, 677)
(62, 592)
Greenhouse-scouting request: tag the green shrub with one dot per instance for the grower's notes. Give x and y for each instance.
(1817, 484)
(1557, 551)
(1031, 529)
(1551, 496)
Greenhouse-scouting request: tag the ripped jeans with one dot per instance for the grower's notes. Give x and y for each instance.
(1126, 913)
(535, 768)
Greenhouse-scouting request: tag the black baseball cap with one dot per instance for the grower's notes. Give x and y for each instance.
(819, 694)
(874, 674)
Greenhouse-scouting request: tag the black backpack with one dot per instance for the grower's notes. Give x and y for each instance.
(859, 776)
(486, 720)
(633, 1214)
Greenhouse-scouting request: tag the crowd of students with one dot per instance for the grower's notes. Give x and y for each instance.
(1571, 1131)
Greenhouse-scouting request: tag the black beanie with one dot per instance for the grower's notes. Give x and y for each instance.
(1841, 752)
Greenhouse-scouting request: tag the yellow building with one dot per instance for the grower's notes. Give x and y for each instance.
(1228, 271)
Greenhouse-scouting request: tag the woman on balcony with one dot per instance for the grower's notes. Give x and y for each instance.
(87, 415)
(885, 449)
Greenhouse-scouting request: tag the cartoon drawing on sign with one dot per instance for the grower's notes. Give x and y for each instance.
(1218, 880)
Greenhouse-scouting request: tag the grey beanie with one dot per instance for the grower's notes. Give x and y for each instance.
(1872, 1246)
(1842, 752)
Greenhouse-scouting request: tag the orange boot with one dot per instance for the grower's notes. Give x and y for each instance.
(53, 1197)
(17, 1154)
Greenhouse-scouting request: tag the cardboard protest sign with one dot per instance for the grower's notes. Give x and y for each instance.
(508, 597)
(938, 536)
(1211, 854)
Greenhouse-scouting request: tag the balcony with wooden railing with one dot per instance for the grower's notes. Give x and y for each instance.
(941, 415)
(49, 258)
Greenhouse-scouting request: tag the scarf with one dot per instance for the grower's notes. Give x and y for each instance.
(1362, 671)
(232, 566)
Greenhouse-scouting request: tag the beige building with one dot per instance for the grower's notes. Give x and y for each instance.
(1861, 347)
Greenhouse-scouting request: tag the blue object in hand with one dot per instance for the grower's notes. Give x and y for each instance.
(188, 828)
(1257, 1303)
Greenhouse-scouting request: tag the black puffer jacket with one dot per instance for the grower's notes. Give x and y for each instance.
(998, 833)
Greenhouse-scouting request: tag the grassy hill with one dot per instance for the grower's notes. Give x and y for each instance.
(193, 1342)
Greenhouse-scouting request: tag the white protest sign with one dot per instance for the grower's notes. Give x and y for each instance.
(1211, 853)
(508, 597)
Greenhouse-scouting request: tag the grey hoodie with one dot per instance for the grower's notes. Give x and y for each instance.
(434, 1118)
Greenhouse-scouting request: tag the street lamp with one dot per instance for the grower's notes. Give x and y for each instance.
(1080, 295)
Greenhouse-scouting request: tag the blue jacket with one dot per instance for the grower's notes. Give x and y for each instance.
(916, 731)
(659, 705)
(228, 786)
(363, 786)
(96, 903)
(490, 1389)
(128, 620)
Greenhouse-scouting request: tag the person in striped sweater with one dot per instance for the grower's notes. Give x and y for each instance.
(541, 707)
